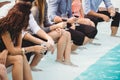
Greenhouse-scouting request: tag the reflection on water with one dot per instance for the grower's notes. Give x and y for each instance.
(106, 68)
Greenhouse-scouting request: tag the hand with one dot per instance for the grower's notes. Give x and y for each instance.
(105, 18)
(3, 56)
(72, 20)
(61, 25)
(49, 47)
(39, 49)
(73, 26)
(57, 19)
(112, 11)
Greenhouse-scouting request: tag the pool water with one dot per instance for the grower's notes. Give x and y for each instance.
(106, 68)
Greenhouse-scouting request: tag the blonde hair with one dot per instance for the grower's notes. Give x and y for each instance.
(41, 7)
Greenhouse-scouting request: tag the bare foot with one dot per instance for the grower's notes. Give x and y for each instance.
(75, 53)
(60, 61)
(115, 36)
(35, 69)
(70, 64)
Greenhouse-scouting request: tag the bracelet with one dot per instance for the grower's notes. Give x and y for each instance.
(23, 51)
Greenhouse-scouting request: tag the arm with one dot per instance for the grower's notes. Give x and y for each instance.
(107, 3)
(19, 41)
(38, 31)
(88, 10)
(33, 39)
(9, 44)
(110, 7)
(13, 50)
(91, 12)
(45, 36)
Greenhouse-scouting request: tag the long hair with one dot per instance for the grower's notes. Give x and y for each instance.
(41, 7)
(16, 19)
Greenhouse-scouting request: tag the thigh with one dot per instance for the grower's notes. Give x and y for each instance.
(104, 12)
(55, 35)
(12, 59)
(77, 36)
(93, 19)
(85, 28)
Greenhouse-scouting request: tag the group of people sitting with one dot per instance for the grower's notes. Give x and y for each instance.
(33, 27)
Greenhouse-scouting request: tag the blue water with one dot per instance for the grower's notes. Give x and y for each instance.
(106, 68)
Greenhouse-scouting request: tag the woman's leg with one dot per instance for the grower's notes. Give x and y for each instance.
(26, 69)
(17, 70)
(68, 47)
(78, 39)
(37, 56)
(36, 59)
(3, 72)
(61, 43)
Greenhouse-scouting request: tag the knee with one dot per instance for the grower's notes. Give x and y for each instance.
(93, 33)
(18, 59)
(67, 34)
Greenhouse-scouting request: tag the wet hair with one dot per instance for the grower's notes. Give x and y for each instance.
(16, 19)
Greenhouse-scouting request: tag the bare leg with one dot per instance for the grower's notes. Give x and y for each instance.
(86, 40)
(114, 30)
(68, 47)
(60, 44)
(61, 48)
(3, 72)
(36, 59)
(74, 47)
(67, 60)
(17, 70)
(26, 69)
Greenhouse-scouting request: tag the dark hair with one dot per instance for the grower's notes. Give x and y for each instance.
(28, 0)
(16, 19)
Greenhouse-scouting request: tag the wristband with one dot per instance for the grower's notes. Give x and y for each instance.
(23, 51)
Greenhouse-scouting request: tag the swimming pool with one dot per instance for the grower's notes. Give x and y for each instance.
(106, 68)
